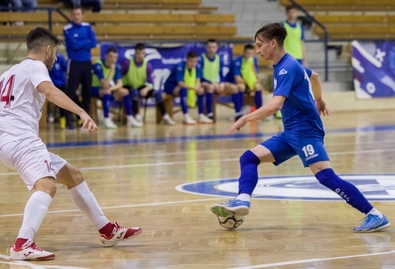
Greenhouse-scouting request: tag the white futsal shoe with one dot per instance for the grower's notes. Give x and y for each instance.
(30, 252)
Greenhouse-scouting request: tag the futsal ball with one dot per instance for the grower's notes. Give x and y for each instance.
(230, 222)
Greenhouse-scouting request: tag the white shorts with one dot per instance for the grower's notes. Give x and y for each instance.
(31, 159)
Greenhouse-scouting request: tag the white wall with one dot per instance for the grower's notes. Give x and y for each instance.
(249, 14)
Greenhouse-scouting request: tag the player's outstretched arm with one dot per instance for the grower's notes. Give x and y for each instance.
(317, 92)
(60, 99)
(263, 112)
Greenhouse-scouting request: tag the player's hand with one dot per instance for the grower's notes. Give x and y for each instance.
(321, 107)
(236, 126)
(87, 123)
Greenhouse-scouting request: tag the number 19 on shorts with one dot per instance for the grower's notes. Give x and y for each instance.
(308, 150)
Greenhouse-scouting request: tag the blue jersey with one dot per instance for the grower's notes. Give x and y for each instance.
(79, 39)
(177, 74)
(299, 112)
(98, 70)
(221, 66)
(58, 71)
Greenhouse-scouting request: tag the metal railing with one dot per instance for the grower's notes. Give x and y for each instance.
(326, 64)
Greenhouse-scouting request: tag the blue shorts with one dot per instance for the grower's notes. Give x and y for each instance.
(309, 147)
(169, 88)
(95, 92)
(230, 79)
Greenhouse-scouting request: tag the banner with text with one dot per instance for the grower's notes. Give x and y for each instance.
(373, 69)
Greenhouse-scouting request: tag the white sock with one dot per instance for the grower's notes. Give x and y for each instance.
(86, 202)
(374, 211)
(201, 115)
(35, 211)
(244, 197)
(166, 116)
(186, 116)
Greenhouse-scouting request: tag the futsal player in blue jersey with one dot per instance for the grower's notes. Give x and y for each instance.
(212, 79)
(184, 81)
(303, 133)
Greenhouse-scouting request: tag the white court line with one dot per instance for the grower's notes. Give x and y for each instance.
(35, 266)
(122, 206)
(313, 260)
(200, 161)
(156, 154)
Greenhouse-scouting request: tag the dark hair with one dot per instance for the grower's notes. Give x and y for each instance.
(272, 31)
(248, 47)
(114, 50)
(288, 8)
(77, 7)
(192, 54)
(40, 37)
(139, 46)
(212, 40)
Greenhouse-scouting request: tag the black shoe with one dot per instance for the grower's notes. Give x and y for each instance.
(237, 117)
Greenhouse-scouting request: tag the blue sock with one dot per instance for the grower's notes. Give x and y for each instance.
(127, 104)
(241, 100)
(183, 101)
(200, 101)
(106, 105)
(258, 99)
(344, 189)
(235, 100)
(209, 102)
(249, 172)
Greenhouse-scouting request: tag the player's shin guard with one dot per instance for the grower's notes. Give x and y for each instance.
(127, 103)
(183, 101)
(249, 172)
(106, 105)
(344, 189)
(200, 101)
(258, 99)
(209, 102)
(134, 96)
(235, 100)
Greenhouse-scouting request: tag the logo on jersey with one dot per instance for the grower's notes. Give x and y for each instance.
(282, 72)
(374, 187)
(274, 84)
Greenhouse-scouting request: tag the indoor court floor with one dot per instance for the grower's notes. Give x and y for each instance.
(164, 179)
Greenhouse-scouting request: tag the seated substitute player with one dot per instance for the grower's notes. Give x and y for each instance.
(212, 77)
(107, 83)
(24, 88)
(244, 73)
(137, 78)
(183, 80)
(303, 132)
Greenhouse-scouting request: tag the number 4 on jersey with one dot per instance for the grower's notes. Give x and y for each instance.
(6, 91)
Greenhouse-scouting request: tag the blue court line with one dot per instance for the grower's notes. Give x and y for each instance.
(205, 137)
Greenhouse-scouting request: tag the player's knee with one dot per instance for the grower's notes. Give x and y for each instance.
(46, 185)
(325, 176)
(249, 158)
(241, 87)
(158, 96)
(76, 179)
(258, 87)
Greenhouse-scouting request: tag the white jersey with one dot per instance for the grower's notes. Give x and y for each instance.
(21, 104)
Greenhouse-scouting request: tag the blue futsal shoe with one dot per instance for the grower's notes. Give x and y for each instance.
(372, 223)
(226, 208)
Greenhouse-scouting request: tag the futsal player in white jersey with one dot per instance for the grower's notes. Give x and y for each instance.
(23, 89)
